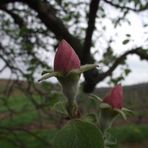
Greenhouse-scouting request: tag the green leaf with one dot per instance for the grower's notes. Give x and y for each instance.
(91, 117)
(127, 71)
(60, 107)
(47, 71)
(79, 134)
(128, 35)
(48, 75)
(104, 106)
(84, 68)
(128, 111)
(125, 41)
(123, 115)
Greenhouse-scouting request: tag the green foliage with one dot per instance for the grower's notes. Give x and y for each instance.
(130, 133)
(108, 57)
(15, 103)
(79, 134)
(35, 139)
(60, 107)
(117, 80)
(20, 120)
(91, 117)
(29, 115)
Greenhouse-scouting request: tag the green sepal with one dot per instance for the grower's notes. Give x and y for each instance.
(47, 71)
(48, 75)
(128, 111)
(88, 67)
(96, 97)
(123, 115)
(105, 106)
(84, 68)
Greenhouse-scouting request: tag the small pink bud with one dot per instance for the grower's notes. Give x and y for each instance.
(115, 99)
(65, 59)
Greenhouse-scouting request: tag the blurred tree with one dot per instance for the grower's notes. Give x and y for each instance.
(29, 29)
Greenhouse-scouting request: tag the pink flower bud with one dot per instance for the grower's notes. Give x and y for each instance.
(115, 99)
(66, 59)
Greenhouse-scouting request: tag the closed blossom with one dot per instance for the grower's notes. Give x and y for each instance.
(115, 98)
(65, 59)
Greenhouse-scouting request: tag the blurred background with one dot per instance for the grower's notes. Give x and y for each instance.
(112, 33)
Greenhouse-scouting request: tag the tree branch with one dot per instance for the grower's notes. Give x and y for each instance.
(4, 2)
(93, 7)
(98, 77)
(22, 25)
(145, 7)
(17, 19)
(143, 54)
(53, 23)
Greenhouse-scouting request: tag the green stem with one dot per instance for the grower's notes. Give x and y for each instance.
(106, 118)
(72, 109)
